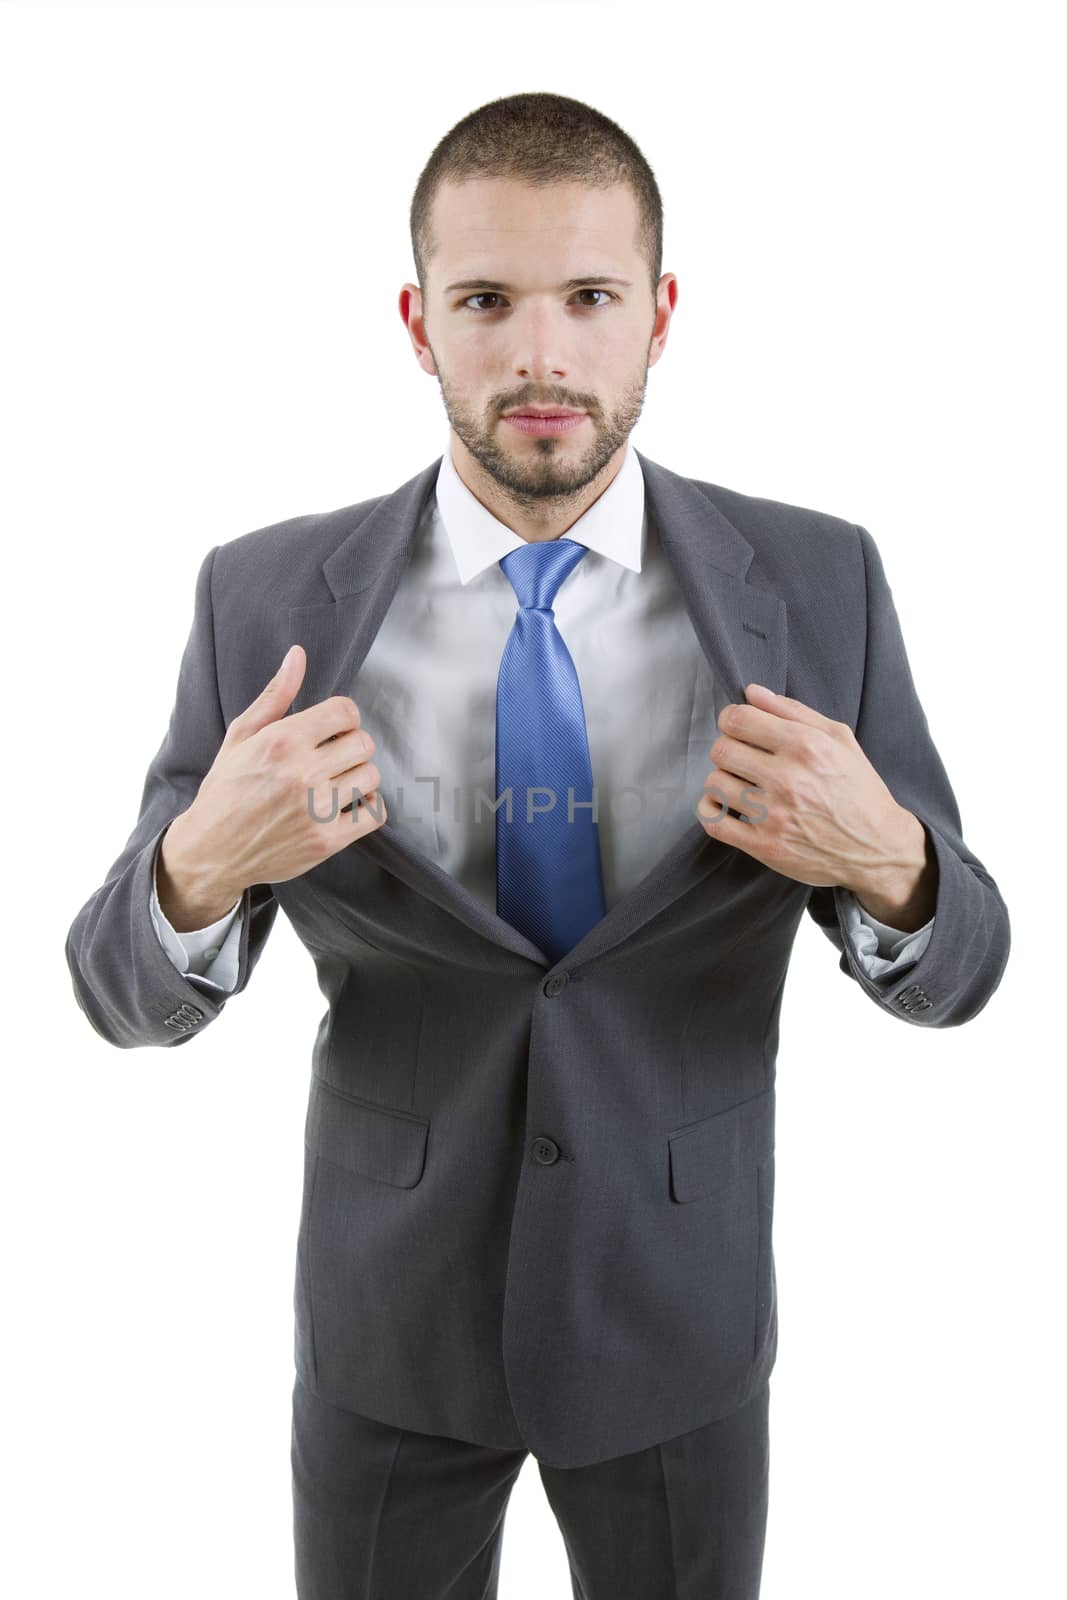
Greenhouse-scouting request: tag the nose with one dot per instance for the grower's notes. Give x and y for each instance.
(539, 357)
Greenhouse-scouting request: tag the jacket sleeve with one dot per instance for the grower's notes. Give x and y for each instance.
(124, 980)
(961, 965)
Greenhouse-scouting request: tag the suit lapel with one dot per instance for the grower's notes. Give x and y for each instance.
(741, 630)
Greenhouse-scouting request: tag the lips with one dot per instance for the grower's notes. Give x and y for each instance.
(544, 422)
(544, 414)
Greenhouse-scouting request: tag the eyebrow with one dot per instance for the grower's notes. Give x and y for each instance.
(505, 288)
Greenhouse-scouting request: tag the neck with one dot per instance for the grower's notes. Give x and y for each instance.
(532, 520)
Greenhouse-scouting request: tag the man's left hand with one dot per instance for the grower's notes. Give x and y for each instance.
(813, 808)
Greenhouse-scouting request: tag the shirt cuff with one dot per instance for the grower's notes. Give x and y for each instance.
(880, 948)
(210, 953)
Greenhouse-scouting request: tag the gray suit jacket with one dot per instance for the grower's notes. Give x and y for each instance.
(537, 1203)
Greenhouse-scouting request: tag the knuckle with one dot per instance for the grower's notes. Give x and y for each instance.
(810, 747)
(275, 740)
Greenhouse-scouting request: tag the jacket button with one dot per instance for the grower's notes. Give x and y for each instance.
(556, 984)
(545, 1151)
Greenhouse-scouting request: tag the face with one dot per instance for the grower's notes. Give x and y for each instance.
(502, 327)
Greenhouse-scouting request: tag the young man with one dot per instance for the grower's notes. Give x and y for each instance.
(539, 1181)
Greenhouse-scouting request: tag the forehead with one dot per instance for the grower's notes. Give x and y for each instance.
(516, 219)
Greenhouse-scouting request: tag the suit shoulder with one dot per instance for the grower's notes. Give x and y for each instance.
(762, 519)
(264, 558)
(798, 551)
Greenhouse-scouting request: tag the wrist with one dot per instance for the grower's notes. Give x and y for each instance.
(192, 892)
(902, 890)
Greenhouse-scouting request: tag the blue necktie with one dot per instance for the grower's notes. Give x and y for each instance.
(549, 882)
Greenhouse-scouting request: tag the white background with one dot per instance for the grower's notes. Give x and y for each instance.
(206, 219)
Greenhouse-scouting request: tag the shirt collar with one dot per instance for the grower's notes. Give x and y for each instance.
(613, 525)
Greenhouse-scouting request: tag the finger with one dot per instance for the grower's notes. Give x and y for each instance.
(781, 705)
(336, 788)
(353, 807)
(724, 792)
(337, 756)
(273, 700)
(767, 730)
(742, 760)
(728, 829)
(326, 719)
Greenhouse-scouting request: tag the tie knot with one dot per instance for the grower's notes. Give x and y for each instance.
(537, 570)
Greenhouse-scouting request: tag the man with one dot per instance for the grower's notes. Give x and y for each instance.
(539, 1181)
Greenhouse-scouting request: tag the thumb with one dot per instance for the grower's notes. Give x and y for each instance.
(274, 700)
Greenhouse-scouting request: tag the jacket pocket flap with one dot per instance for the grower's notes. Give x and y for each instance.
(709, 1154)
(371, 1140)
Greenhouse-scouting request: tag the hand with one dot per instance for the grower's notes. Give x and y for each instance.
(811, 805)
(278, 798)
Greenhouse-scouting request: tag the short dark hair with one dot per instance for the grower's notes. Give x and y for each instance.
(541, 139)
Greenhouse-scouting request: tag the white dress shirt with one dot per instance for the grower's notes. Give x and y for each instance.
(427, 695)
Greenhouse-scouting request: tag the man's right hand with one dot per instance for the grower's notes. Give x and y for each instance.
(255, 818)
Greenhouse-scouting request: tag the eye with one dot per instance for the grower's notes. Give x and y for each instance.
(489, 294)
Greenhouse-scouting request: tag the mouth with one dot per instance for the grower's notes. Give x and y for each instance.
(544, 422)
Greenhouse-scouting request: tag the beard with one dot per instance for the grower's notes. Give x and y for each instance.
(547, 471)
